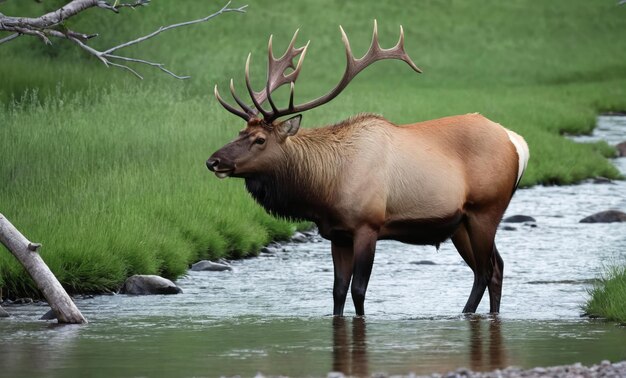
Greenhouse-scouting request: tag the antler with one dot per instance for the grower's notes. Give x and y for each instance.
(276, 76)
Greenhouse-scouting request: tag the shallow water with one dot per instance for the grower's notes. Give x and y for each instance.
(271, 314)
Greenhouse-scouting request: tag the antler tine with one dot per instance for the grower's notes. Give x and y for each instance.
(242, 104)
(375, 45)
(230, 108)
(400, 46)
(293, 75)
(292, 86)
(346, 43)
(270, 52)
(253, 94)
(290, 48)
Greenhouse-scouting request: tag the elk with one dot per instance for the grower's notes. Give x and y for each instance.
(365, 179)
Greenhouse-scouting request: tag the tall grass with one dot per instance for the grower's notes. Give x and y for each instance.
(108, 172)
(608, 298)
(115, 188)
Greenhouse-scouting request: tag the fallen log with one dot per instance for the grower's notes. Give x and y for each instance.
(26, 253)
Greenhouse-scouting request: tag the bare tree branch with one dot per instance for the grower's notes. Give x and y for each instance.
(48, 25)
(9, 38)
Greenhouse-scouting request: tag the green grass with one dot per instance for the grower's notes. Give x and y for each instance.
(122, 192)
(108, 171)
(608, 298)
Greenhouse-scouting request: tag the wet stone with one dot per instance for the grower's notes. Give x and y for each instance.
(206, 265)
(50, 315)
(608, 216)
(519, 219)
(299, 237)
(3, 313)
(19, 301)
(621, 149)
(271, 250)
(602, 180)
(423, 262)
(149, 285)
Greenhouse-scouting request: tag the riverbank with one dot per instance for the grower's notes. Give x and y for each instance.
(108, 172)
(603, 369)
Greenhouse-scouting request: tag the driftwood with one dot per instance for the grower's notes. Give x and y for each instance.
(26, 253)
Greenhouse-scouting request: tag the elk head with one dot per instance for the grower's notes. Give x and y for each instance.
(258, 146)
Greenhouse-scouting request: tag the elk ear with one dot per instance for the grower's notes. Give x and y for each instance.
(290, 127)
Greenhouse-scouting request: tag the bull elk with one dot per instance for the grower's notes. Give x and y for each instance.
(365, 179)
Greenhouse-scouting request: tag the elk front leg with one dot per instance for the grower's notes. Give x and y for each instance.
(364, 247)
(342, 262)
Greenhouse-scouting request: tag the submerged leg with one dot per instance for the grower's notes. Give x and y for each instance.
(495, 284)
(342, 262)
(364, 247)
(474, 240)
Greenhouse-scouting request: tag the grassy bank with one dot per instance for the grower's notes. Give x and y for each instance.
(108, 172)
(608, 298)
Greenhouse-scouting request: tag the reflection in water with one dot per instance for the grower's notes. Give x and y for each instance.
(350, 356)
(496, 354)
(43, 354)
(485, 352)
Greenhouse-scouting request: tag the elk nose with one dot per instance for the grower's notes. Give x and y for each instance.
(212, 163)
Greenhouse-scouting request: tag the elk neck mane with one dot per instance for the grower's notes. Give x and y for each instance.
(304, 181)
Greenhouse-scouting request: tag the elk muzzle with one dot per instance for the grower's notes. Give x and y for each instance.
(220, 166)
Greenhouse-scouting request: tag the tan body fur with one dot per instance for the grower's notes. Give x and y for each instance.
(424, 171)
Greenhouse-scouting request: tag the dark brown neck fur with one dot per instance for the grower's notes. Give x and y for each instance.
(302, 185)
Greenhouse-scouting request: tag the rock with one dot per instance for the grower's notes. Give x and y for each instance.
(519, 219)
(50, 315)
(23, 301)
(299, 237)
(509, 228)
(148, 285)
(423, 262)
(3, 313)
(608, 216)
(602, 180)
(206, 265)
(621, 149)
(311, 233)
(270, 250)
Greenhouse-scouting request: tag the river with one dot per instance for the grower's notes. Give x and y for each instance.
(271, 314)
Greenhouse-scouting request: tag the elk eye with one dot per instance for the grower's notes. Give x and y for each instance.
(259, 141)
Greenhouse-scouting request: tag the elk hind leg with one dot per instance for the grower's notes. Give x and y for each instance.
(495, 284)
(462, 242)
(474, 240)
(364, 248)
